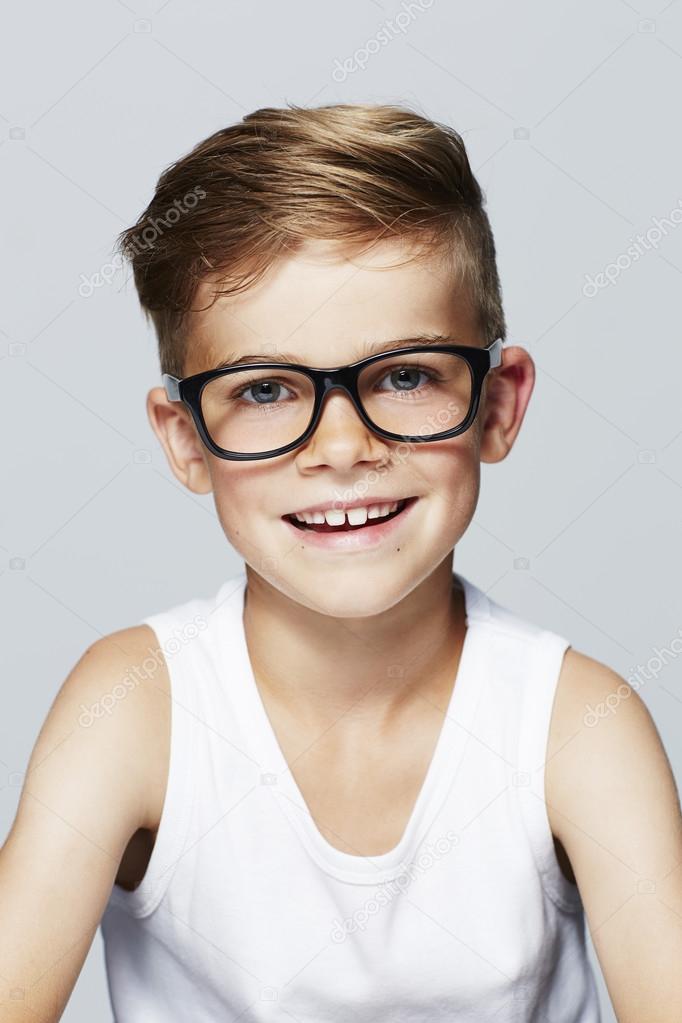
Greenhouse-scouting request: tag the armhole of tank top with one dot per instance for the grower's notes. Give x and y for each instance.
(174, 821)
(539, 695)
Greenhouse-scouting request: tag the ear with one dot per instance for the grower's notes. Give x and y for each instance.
(186, 454)
(506, 394)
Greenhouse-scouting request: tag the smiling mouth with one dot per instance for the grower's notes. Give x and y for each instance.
(346, 527)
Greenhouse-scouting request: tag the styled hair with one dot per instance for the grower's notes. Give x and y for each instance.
(259, 189)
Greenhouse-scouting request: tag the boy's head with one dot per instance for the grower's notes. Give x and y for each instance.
(324, 233)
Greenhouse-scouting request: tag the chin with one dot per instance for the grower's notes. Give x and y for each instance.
(353, 591)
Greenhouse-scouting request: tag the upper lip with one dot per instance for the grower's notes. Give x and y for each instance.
(364, 502)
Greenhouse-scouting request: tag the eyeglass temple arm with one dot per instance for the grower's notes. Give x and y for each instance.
(172, 386)
(495, 352)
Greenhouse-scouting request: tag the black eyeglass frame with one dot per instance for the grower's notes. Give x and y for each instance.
(345, 378)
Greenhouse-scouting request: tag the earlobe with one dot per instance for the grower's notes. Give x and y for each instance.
(494, 446)
(177, 434)
(507, 393)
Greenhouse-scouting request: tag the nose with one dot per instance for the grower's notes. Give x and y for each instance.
(341, 438)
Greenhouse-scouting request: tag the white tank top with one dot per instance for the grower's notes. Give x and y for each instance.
(247, 913)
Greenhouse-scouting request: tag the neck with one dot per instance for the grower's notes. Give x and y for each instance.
(367, 669)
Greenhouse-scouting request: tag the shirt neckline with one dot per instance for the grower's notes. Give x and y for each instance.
(440, 775)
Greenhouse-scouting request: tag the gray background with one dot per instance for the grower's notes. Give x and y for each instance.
(570, 114)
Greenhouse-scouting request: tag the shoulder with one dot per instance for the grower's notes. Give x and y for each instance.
(122, 664)
(600, 730)
(98, 766)
(583, 688)
(120, 689)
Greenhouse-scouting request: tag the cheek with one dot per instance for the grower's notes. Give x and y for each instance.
(230, 492)
(452, 464)
(455, 478)
(241, 493)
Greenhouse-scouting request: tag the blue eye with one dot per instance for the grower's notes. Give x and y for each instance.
(271, 397)
(397, 376)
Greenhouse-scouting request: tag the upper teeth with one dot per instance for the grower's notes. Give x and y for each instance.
(355, 516)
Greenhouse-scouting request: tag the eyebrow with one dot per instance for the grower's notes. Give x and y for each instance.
(378, 348)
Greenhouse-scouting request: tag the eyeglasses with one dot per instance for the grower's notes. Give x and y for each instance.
(414, 394)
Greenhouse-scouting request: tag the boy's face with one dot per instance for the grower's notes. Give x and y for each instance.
(331, 309)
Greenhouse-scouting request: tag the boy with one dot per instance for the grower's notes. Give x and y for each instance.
(349, 785)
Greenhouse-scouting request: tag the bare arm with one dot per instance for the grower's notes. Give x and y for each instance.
(614, 806)
(87, 791)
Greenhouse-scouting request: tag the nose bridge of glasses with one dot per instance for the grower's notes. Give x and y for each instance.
(338, 380)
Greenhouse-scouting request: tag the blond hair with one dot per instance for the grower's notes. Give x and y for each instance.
(258, 189)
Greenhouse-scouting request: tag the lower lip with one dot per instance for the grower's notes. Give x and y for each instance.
(353, 539)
